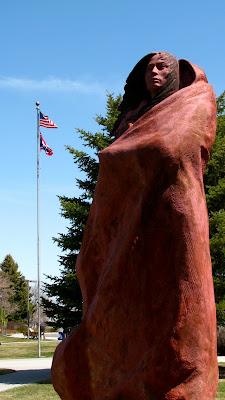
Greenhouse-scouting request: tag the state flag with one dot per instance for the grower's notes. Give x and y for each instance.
(44, 146)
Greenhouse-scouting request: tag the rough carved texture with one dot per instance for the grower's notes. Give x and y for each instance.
(149, 327)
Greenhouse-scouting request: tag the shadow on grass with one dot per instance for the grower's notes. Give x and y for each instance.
(5, 371)
(44, 382)
(221, 372)
(24, 377)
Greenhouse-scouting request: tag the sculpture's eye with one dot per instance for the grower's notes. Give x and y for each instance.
(150, 67)
(161, 66)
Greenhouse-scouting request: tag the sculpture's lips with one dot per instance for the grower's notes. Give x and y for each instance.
(155, 79)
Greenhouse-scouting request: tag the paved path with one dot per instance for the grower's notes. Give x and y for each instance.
(48, 335)
(28, 370)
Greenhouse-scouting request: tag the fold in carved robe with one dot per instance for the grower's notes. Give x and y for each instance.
(149, 326)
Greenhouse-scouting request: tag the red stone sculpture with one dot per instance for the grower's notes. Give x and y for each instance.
(149, 324)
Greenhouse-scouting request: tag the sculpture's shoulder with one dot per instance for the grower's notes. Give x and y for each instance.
(198, 96)
(193, 82)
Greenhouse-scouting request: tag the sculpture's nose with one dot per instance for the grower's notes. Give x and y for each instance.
(154, 70)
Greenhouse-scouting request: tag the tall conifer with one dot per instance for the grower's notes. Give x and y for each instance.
(62, 300)
(18, 285)
(214, 180)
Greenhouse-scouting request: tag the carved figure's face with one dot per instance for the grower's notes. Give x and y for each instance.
(156, 73)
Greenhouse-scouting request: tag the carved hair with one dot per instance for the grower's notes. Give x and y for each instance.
(136, 91)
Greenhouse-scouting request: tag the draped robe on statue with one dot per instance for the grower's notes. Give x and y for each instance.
(149, 325)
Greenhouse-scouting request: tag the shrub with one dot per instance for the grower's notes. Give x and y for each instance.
(22, 329)
(221, 340)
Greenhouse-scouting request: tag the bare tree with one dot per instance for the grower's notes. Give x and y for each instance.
(43, 318)
(6, 293)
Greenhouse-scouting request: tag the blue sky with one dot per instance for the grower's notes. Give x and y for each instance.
(66, 55)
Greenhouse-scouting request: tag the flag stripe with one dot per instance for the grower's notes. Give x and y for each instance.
(46, 122)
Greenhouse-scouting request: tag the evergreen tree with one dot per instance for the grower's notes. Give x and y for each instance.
(18, 286)
(63, 301)
(214, 180)
(66, 310)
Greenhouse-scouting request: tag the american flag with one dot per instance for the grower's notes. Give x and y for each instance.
(46, 122)
(44, 146)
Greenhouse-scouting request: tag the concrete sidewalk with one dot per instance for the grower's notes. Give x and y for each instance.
(28, 370)
(48, 335)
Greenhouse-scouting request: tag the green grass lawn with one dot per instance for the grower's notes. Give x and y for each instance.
(34, 391)
(24, 348)
(221, 390)
(8, 339)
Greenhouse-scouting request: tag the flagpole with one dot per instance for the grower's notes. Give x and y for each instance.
(38, 252)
